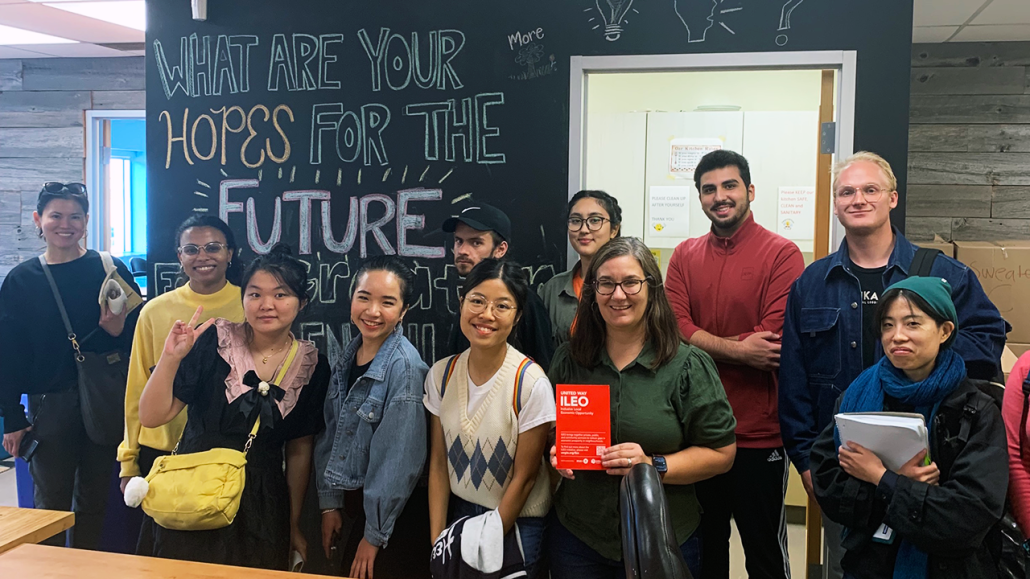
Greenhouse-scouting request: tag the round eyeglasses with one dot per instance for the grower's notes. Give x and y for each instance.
(593, 223)
(630, 287)
(209, 248)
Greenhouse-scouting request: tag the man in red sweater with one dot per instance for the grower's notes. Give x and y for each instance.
(729, 291)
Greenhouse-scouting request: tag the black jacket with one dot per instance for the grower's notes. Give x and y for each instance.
(948, 521)
(532, 336)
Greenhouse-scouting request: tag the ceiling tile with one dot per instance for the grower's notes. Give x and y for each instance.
(932, 33)
(944, 12)
(75, 50)
(1005, 12)
(64, 24)
(993, 33)
(12, 52)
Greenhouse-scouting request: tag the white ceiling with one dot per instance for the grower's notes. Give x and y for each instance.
(934, 21)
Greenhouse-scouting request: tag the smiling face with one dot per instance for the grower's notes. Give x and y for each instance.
(472, 246)
(490, 327)
(863, 212)
(586, 242)
(377, 306)
(725, 199)
(621, 311)
(911, 339)
(269, 305)
(206, 269)
(63, 223)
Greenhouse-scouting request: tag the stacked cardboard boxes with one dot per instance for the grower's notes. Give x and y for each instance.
(1003, 268)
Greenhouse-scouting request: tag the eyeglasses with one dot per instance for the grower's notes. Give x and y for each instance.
(477, 305)
(630, 287)
(194, 249)
(870, 192)
(57, 187)
(593, 223)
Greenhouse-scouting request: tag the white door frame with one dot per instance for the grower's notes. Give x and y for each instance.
(97, 157)
(844, 61)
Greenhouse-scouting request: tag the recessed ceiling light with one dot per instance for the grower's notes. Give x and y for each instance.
(131, 14)
(10, 36)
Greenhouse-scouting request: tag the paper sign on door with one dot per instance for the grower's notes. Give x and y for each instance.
(584, 426)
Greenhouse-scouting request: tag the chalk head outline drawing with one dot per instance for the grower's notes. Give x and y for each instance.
(697, 16)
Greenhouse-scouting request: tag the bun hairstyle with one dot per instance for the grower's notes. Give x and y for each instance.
(234, 273)
(280, 264)
(610, 204)
(397, 267)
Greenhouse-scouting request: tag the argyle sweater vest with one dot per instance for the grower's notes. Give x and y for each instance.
(481, 448)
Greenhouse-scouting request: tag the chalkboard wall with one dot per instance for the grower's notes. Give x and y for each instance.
(354, 128)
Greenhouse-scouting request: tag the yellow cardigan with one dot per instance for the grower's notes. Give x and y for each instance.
(155, 321)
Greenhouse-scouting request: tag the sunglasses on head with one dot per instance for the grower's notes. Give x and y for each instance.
(57, 187)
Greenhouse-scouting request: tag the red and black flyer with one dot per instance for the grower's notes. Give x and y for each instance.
(584, 426)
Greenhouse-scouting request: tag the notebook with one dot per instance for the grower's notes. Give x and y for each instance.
(895, 437)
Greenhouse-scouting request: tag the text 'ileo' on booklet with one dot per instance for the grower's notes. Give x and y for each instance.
(584, 426)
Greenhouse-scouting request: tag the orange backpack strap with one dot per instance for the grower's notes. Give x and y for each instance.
(520, 376)
(447, 372)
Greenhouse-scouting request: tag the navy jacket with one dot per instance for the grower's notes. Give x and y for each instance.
(822, 337)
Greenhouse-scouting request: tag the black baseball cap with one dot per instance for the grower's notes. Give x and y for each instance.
(481, 217)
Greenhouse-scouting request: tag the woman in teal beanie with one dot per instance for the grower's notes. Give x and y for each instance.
(929, 519)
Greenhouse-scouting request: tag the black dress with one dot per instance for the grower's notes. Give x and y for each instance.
(260, 534)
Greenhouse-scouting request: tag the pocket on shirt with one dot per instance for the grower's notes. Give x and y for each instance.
(818, 332)
(371, 411)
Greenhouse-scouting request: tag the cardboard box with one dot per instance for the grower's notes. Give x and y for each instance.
(1018, 349)
(1008, 360)
(945, 246)
(1003, 268)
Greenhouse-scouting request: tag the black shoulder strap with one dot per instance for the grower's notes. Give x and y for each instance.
(922, 262)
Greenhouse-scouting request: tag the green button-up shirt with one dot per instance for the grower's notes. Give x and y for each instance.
(664, 410)
(561, 302)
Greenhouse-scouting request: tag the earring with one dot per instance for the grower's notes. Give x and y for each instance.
(39, 230)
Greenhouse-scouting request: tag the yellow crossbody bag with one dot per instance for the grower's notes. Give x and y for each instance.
(201, 491)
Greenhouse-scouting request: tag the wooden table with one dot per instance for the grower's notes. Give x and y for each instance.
(19, 526)
(44, 562)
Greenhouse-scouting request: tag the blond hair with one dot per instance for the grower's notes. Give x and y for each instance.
(885, 168)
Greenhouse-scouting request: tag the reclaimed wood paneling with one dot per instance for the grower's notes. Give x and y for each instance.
(1011, 203)
(972, 109)
(65, 142)
(969, 168)
(29, 173)
(42, 120)
(969, 81)
(10, 207)
(10, 75)
(948, 201)
(34, 102)
(924, 228)
(62, 74)
(975, 229)
(969, 138)
(119, 99)
(971, 54)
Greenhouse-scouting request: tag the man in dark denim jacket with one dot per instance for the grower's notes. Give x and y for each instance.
(827, 335)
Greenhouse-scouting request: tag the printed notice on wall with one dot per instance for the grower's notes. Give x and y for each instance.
(668, 211)
(584, 426)
(684, 155)
(795, 213)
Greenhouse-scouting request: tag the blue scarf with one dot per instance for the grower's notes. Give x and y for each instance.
(866, 394)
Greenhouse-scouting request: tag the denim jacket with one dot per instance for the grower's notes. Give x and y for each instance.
(375, 435)
(822, 337)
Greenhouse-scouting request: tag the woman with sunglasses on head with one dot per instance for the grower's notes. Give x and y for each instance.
(492, 409)
(231, 378)
(669, 410)
(594, 219)
(38, 359)
(206, 249)
(372, 452)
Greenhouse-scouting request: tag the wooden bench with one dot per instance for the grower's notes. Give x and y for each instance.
(20, 526)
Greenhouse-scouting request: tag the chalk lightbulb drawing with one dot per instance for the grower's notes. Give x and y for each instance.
(613, 12)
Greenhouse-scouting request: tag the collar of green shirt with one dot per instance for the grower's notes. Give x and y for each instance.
(645, 359)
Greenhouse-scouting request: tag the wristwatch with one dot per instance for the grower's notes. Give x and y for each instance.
(660, 465)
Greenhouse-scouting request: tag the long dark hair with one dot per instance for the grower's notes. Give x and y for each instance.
(51, 191)
(588, 341)
(610, 204)
(234, 273)
(280, 264)
(513, 277)
(397, 267)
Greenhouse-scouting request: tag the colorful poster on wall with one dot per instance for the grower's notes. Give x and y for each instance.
(684, 155)
(795, 213)
(668, 211)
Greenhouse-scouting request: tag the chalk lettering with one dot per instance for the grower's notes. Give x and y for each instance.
(353, 135)
(406, 222)
(375, 227)
(327, 58)
(349, 234)
(200, 60)
(304, 198)
(281, 65)
(172, 139)
(254, 236)
(173, 78)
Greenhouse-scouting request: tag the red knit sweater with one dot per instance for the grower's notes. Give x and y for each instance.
(1019, 472)
(732, 287)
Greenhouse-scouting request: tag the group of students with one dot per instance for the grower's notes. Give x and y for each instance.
(718, 373)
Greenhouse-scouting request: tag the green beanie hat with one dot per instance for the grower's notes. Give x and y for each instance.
(937, 294)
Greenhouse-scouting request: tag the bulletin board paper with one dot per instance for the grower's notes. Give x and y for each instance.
(669, 211)
(684, 154)
(795, 213)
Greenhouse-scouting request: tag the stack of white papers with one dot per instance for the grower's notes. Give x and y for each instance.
(895, 437)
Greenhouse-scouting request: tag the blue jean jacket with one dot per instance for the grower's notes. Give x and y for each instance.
(822, 337)
(375, 435)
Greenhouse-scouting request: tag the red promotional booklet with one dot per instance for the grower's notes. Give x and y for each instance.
(584, 426)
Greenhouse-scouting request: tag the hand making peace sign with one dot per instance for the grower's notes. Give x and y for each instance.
(182, 336)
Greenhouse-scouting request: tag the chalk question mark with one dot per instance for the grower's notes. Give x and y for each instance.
(785, 12)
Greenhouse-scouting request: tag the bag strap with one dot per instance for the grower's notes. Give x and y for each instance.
(520, 376)
(922, 262)
(108, 262)
(448, 371)
(60, 306)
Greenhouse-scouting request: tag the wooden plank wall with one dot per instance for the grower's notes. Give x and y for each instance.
(969, 142)
(42, 133)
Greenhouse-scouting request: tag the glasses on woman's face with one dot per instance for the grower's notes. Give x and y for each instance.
(870, 192)
(478, 305)
(630, 287)
(192, 249)
(73, 188)
(593, 223)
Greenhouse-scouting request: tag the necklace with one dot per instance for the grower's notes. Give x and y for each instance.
(264, 358)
